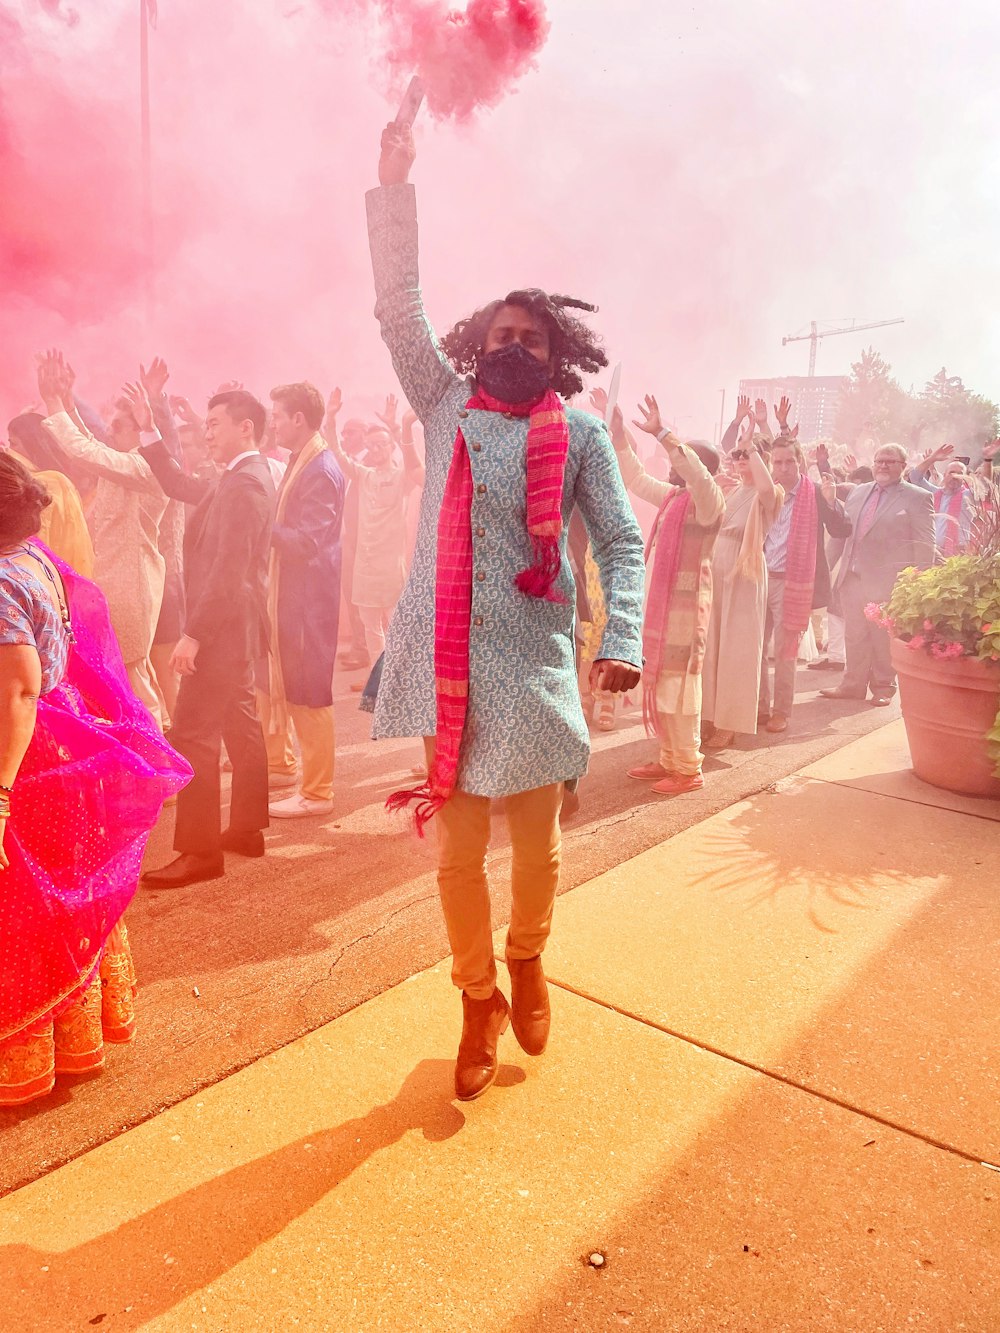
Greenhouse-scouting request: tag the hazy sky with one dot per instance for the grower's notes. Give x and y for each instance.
(713, 177)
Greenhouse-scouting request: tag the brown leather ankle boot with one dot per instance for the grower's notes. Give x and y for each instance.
(529, 998)
(484, 1022)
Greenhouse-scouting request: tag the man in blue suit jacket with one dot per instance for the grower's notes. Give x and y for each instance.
(304, 606)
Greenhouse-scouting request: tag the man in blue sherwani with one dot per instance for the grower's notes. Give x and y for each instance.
(304, 607)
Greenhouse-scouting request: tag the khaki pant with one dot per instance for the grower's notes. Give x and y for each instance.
(316, 734)
(140, 677)
(463, 833)
(166, 681)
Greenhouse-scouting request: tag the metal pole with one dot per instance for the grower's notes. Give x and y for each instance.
(813, 340)
(147, 169)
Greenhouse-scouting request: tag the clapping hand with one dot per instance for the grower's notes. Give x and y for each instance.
(182, 408)
(828, 488)
(138, 401)
(55, 381)
(154, 379)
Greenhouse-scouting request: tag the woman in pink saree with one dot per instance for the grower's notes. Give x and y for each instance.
(84, 773)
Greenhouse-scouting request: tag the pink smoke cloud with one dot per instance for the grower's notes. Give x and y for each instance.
(468, 59)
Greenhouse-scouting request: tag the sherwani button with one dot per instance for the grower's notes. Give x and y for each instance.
(478, 620)
(481, 489)
(480, 532)
(463, 413)
(508, 416)
(476, 447)
(480, 577)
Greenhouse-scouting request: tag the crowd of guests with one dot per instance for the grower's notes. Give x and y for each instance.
(231, 550)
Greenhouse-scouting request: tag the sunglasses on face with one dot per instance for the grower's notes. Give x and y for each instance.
(739, 454)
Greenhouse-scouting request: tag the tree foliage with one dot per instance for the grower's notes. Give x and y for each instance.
(874, 408)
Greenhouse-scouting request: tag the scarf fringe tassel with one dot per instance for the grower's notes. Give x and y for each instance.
(426, 802)
(538, 578)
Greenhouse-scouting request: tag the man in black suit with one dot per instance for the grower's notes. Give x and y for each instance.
(226, 548)
(893, 528)
(788, 469)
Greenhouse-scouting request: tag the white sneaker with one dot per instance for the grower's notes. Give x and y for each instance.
(279, 781)
(294, 807)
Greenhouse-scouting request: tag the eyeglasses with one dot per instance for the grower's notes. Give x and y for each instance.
(740, 454)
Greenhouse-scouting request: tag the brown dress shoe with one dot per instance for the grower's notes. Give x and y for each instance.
(529, 999)
(776, 723)
(484, 1023)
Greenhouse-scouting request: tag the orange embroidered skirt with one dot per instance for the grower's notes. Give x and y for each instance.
(71, 1040)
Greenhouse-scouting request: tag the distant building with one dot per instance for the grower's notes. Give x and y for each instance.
(814, 401)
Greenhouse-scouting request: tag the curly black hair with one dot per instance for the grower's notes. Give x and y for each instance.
(573, 346)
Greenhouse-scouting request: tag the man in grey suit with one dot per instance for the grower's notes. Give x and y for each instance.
(893, 528)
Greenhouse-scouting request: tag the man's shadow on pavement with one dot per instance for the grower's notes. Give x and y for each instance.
(123, 1276)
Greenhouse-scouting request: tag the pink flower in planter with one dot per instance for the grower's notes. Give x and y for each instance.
(946, 652)
(917, 641)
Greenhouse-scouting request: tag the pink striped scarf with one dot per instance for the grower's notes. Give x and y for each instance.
(547, 448)
(665, 541)
(950, 504)
(800, 571)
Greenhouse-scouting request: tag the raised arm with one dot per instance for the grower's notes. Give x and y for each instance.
(920, 474)
(348, 466)
(423, 370)
(55, 385)
(633, 474)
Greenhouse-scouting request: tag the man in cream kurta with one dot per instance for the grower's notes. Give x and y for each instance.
(678, 693)
(124, 520)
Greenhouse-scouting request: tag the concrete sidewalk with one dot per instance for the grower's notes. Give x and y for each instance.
(767, 1102)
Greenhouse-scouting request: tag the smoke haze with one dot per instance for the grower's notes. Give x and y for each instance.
(712, 178)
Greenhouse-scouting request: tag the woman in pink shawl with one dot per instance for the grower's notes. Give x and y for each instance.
(84, 773)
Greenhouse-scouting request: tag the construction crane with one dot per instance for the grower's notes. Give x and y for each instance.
(816, 333)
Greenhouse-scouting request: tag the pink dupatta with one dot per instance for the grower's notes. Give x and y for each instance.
(88, 793)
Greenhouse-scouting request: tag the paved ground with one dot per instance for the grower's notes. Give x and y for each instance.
(769, 1102)
(344, 908)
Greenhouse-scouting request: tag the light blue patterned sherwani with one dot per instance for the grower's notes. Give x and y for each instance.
(525, 727)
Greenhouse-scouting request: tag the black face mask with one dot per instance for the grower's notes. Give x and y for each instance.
(513, 375)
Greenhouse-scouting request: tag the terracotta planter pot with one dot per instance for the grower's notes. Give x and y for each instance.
(948, 707)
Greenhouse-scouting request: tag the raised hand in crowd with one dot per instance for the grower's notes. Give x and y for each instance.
(822, 458)
(388, 416)
(619, 437)
(599, 401)
(743, 409)
(760, 413)
(749, 430)
(138, 400)
(651, 422)
(781, 412)
(154, 379)
(55, 381)
(828, 488)
(991, 450)
(181, 407)
(334, 403)
(229, 385)
(850, 463)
